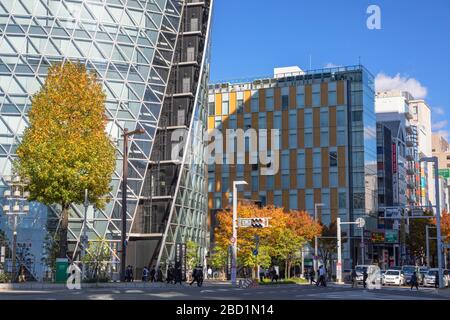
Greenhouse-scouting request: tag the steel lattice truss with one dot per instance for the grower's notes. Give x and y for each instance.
(130, 45)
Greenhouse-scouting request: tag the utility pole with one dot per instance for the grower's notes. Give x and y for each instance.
(126, 135)
(360, 222)
(234, 237)
(316, 243)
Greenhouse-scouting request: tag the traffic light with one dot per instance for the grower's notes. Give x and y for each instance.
(258, 223)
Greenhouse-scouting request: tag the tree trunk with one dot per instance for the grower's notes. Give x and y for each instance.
(63, 229)
(286, 271)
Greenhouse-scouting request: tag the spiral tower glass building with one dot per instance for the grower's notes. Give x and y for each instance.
(152, 58)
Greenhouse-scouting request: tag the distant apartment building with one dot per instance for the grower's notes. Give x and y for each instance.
(410, 123)
(327, 145)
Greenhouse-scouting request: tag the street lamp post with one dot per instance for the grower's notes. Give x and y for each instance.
(18, 197)
(126, 135)
(234, 237)
(316, 245)
(435, 161)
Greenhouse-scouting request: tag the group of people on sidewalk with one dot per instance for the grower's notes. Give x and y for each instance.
(174, 275)
(322, 277)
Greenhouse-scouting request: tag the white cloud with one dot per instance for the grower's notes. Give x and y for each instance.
(440, 125)
(330, 65)
(385, 82)
(439, 111)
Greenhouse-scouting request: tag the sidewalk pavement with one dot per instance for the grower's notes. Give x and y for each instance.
(111, 285)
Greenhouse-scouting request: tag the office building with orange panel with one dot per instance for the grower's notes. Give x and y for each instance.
(327, 141)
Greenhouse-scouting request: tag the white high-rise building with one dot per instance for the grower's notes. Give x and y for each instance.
(413, 118)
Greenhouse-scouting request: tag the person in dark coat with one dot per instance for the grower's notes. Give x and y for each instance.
(194, 276)
(153, 274)
(159, 275)
(200, 276)
(414, 281)
(365, 276)
(170, 274)
(178, 275)
(436, 280)
(312, 275)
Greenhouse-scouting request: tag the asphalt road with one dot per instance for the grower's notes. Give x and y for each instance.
(225, 292)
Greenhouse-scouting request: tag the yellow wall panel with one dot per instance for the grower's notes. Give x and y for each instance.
(316, 127)
(292, 97)
(325, 168)
(247, 101)
(309, 168)
(340, 92)
(262, 100)
(308, 95)
(301, 199)
(218, 104)
(277, 98)
(334, 204)
(341, 167)
(232, 102)
(333, 127)
(285, 199)
(324, 94)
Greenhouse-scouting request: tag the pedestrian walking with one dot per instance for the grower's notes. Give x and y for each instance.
(153, 274)
(145, 274)
(22, 274)
(312, 276)
(194, 276)
(170, 274)
(159, 275)
(321, 281)
(414, 281)
(365, 276)
(210, 273)
(436, 280)
(178, 275)
(354, 276)
(200, 276)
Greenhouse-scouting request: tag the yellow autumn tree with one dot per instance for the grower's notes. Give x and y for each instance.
(65, 150)
(287, 233)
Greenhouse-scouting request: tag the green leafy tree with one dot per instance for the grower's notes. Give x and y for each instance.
(192, 258)
(65, 150)
(416, 238)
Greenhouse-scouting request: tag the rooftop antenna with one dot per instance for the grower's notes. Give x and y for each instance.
(359, 60)
(310, 62)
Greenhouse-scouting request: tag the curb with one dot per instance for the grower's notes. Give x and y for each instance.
(110, 285)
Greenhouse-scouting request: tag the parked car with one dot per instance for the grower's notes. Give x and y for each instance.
(408, 271)
(430, 278)
(394, 277)
(422, 272)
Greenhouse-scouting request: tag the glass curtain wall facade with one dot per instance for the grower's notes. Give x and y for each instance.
(131, 45)
(327, 145)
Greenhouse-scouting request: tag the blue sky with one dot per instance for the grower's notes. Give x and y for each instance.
(412, 49)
